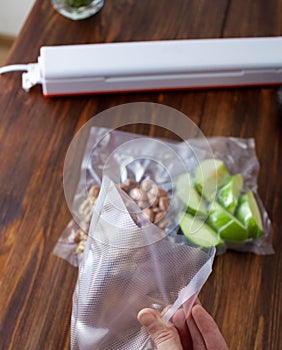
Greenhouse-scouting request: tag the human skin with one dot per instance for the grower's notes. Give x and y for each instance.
(197, 332)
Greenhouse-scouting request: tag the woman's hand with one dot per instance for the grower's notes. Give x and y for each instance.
(198, 332)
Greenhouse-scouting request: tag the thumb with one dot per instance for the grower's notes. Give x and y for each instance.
(164, 336)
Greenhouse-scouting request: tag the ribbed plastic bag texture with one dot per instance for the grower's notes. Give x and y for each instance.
(128, 264)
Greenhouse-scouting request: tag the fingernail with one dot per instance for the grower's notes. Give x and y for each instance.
(146, 318)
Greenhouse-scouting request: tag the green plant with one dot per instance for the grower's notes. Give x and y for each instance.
(78, 3)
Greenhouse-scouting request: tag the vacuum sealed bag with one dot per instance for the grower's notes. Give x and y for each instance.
(229, 211)
(121, 156)
(134, 162)
(128, 264)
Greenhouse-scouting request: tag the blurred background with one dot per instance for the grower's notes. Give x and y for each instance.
(13, 14)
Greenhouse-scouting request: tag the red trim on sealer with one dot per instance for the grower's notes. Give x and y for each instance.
(111, 92)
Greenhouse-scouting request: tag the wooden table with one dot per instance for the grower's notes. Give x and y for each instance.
(244, 291)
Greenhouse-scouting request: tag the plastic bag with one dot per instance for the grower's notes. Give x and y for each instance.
(123, 157)
(129, 264)
(238, 154)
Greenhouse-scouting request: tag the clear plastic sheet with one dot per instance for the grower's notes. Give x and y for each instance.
(109, 157)
(129, 264)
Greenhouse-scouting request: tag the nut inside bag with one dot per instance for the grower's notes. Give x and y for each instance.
(129, 264)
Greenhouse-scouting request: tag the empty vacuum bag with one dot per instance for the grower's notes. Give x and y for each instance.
(129, 264)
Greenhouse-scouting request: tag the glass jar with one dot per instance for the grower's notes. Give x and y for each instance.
(77, 9)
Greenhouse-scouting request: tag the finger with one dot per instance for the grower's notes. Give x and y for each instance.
(208, 328)
(165, 337)
(165, 310)
(179, 321)
(197, 301)
(187, 306)
(196, 336)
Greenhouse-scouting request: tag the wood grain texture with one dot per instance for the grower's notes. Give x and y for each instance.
(244, 291)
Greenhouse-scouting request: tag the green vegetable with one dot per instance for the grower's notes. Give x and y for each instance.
(229, 194)
(198, 233)
(189, 196)
(231, 216)
(227, 226)
(210, 175)
(78, 3)
(248, 213)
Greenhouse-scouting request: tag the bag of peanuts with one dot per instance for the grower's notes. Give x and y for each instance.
(128, 264)
(147, 174)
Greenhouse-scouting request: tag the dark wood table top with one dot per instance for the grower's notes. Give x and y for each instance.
(244, 292)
